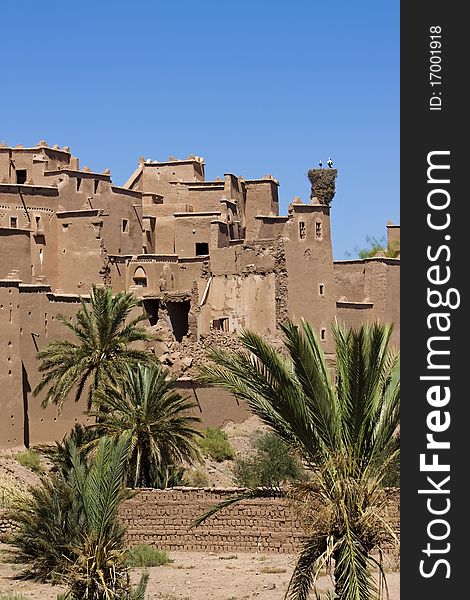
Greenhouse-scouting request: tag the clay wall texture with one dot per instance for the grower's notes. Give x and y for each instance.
(206, 259)
(162, 518)
(369, 291)
(12, 421)
(38, 325)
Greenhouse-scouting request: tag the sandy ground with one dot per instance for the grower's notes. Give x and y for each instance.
(199, 576)
(190, 575)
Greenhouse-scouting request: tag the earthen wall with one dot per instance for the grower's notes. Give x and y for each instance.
(163, 517)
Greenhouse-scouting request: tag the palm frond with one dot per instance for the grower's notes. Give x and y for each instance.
(104, 330)
(345, 430)
(271, 492)
(306, 568)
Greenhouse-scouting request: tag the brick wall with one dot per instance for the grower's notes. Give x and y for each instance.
(162, 518)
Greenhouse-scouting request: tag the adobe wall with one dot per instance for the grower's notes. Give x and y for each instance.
(191, 230)
(228, 297)
(369, 291)
(157, 176)
(161, 273)
(11, 422)
(268, 227)
(33, 160)
(85, 190)
(33, 207)
(165, 234)
(15, 253)
(350, 279)
(162, 518)
(245, 275)
(79, 258)
(354, 314)
(214, 406)
(39, 325)
(204, 196)
(261, 199)
(392, 301)
(312, 288)
(118, 206)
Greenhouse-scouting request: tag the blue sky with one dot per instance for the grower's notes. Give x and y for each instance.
(253, 87)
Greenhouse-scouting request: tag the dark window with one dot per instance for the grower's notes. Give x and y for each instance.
(202, 248)
(125, 225)
(323, 334)
(302, 230)
(318, 229)
(38, 221)
(79, 182)
(13, 221)
(321, 289)
(221, 324)
(97, 181)
(21, 175)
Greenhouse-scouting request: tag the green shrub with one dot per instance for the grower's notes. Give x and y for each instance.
(270, 465)
(196, 478)
(31, 460)
(69, 530)
(12, 596)
(378, 245)
(216, 445)
(144, 555)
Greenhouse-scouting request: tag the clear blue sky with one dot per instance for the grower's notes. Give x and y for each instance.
(253, 87)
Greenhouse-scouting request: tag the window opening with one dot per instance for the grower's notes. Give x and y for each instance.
(221, 324)
(202, 248)
(21, 175)
(140, 278)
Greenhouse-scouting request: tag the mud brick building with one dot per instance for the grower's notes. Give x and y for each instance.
(206, 258)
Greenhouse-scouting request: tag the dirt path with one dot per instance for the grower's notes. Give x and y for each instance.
(200, 576)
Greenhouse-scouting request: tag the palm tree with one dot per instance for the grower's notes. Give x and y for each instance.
(344, 429)
(146, 405)
(103, 335)
(68, 529)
